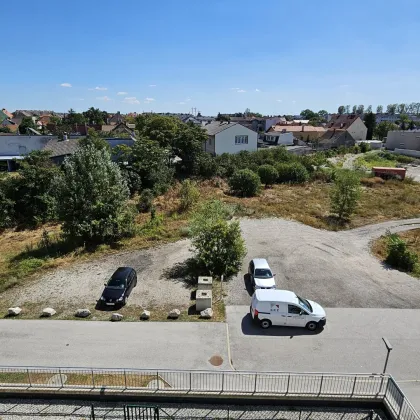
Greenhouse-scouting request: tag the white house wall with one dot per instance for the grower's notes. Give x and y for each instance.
(21, 145)
(225, 140)
(358, 130)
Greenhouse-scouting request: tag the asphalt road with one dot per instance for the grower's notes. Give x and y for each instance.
(335, 269)
(161, 345)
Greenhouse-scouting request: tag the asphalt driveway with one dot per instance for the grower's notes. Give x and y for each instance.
(335, 269)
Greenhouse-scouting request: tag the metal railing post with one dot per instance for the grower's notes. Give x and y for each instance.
(29, 378)
(157, 380)
(223, 381)
(190, 381)
(61, 378)
(354, 386)
(288, 382)
(93, 379)
(125, 379)
(255, 383)
(320, 386)
(92, 412)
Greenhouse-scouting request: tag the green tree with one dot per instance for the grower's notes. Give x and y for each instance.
(341, 109)
(95, 116)
(245, 183)
(268, 174)
(370, 122)
(354, 109)
(74, 118)
(189, 195)
(391, 109)
(5, 129)
(345, 194)
(411, 125)
(369, 109)
(308, 114)
(218, 244)
(94, 139)
(145, 202)
(399, 256)
(292, 172)
(27, 122)
(383, 127)
(323, 114)
(92, 198)
(7, 205)
(160, 128)
(379, 109)
(347, 109)
(360, 109)
(401, 108)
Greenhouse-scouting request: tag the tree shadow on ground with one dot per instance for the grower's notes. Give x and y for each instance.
(186, 272)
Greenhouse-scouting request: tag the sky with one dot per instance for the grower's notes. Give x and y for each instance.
(272, 56)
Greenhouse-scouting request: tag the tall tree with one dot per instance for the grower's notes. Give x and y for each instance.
(308, 114)
(73, 118)
(379, 109)
(345, 194)
(323, 114)
(354, 109)
(93, 198)
(341, 109)
(347, 109)
(391, 109)
(160, 128)
(401, 108)
(369, 109)
(95, 116)
(370, 122)
(411, 125)
(360, 109)
(27, 122)
(383, 127)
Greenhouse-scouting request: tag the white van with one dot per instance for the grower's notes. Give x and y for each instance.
(282, 307)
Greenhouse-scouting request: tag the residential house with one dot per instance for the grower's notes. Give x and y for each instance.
(278, 138)
(3, 116)
(409, 140)
(116, 119)
(229, 137)
(306, 133)
(336, 137)
(13, 127)
(5, 111)
(123, 128)
(352, 123)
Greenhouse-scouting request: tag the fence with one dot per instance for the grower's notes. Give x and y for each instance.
(328, 386)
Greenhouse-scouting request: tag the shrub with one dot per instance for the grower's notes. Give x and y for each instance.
(268, 174)
(399, 256)
(403, 159)
(205, 166)
(324, 174)
(189, 195)
(364, 147)
(345, 194)
(145, 202)
(245, 183)
(294, 173)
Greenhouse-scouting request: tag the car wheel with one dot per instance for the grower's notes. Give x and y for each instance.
(312, 326)
(265, 323)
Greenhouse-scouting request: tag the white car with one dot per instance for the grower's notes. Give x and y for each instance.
(285, 308)
(260, 274)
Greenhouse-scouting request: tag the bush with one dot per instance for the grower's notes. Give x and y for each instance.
(268, 174)
(324, 174)
(403, 159)
(364, 147)
(145, 202)
(205, 166)
(345, 194)
(399, 256)
(189, 195)
(245, 183)
(294, 173)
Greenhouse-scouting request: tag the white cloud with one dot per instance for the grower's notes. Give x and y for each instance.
(241, 91)
(182, 103)
(257, 90)
(152, 85)
(103, 98)
(122, 93)
(149, 99)
(99, 88)
(65, 85)
(279, 100)
(132, 100)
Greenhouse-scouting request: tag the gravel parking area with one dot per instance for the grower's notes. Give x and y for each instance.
(82, 284)
(334, 268)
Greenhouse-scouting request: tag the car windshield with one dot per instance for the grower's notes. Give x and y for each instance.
(262, 273)
(116, 284)
(304, 303)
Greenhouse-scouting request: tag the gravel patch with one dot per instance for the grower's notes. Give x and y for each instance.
(82, 284)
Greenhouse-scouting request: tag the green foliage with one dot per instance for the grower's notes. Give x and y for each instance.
(399, 256)
(7, 206)
(205, 166)
(95, 116)
(383, 127)
(160, 128)
(268, 174)
(245, 183)
(345, 193)
(5, 130)
(218, 244)
(324, 174)
(370, 122)
(189, 195)
(94, 139)
(93, 198)
(364, 147)
(74, 118)
(27, 122)
(293, 172)
(308, 114)
(145, 202)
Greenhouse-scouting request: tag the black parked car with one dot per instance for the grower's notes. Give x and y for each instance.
(119, 287)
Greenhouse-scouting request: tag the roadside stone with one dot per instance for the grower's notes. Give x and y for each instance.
(174, 314)
(14, 311)
(145, 315)
(82, 313)
(207, 313)
(47, 312)
(116, 317)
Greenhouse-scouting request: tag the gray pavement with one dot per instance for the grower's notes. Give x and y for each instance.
(335, 269)
(154, 345)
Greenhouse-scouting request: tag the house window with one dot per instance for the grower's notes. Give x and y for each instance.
(241, 139)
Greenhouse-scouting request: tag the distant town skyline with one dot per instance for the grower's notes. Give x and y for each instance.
(216, 58)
